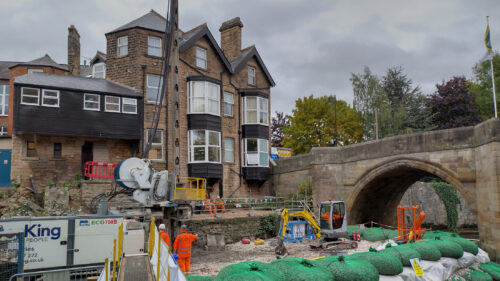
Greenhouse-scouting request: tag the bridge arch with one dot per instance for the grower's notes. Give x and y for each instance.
(378, 192)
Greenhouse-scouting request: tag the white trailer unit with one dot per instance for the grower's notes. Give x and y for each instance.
(57, 242)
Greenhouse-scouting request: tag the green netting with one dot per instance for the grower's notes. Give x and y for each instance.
(328, 260)
(352, 269)
(476, 275)
(384, 263)
(448, 249)
(353, 228)
(202, 278)
(403, 253)
(250, 271)
(428, 251)
(436, 233)
(467, 245)
(492, 268)
(378, 234)
(297, 269)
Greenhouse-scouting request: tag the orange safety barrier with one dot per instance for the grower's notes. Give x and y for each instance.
(99, 170)
(409, 223)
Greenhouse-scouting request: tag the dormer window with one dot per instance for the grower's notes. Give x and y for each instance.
(251, 75)
(99, 70)
(123, 46)
(201, 58)
(154, 46)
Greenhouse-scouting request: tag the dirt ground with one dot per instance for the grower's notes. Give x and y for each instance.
(209, 262)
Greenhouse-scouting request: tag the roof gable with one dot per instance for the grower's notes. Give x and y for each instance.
(238, 63)
(152, 21)
(43, 61)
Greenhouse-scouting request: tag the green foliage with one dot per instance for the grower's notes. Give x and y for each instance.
(313, 124)
(304, 191)
(78, 179)
(450, 199)
(268, 225)
(481, 86)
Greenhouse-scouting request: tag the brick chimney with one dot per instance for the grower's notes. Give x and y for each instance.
(73, 51)
(230, 38)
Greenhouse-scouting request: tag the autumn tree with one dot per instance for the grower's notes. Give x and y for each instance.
(278, 123)
(312, 124)
(452, 105)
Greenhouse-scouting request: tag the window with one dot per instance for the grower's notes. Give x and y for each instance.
(154, 83)
(123, 46)
(50, 98)
(156, 151)
(204, 97)
(4, 100)
(256, 153)
(201, 57)
(229, 150)
(255, 110)
(99, 70)
(251, 75)
(30, 96)
(57, 150)
(34, 70)
(129, 105)
(92, 102)
(204, 146)
(228, 104)
(3, 130)
(111, 104)
(30, 149)
(154, 46)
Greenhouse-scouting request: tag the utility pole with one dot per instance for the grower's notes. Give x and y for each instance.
(335, 122)
(492, 73)
(376, 125)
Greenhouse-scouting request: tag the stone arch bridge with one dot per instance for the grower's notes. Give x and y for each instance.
(373, 176)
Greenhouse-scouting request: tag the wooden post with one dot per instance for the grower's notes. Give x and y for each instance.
(106, 268)
(114, 261)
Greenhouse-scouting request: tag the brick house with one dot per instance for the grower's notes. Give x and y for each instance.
(214, 122)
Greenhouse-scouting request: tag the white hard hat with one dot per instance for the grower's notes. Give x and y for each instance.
(162, 226)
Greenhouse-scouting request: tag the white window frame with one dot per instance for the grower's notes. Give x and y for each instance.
(129, 101)
(156, 87)
(205, 96)
(259, 151)
(4, 98)
(156, 144)
(258, 110)
(200, 59)
(98, 102)
(50, 98)
(35, 70)
(23, 95)
(152, 46)
(228, 151)
(207, 146)
(103, 70)
(3, 130)
(251, 76)
(229, 103)
(113, 103)
(120, 43)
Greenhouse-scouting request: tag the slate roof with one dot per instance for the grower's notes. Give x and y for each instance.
(80, 84)
(152, 21)
(4, 69)
(43, 61)
(246, 54)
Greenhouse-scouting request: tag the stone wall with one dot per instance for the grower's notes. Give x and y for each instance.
(92, 188)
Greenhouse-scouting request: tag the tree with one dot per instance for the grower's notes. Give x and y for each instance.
(277, 125)
(452, 105)
(481, 86)
(312, 124)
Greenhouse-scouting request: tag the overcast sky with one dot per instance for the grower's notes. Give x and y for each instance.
(309, 46)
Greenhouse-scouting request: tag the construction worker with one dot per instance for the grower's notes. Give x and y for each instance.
(164, 235)
(220, 204)
(209, 205)
(182, 247)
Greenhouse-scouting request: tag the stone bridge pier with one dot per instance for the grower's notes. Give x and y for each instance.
(373, 176)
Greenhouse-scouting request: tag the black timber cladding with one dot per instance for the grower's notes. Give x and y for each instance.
(255, 131)
(204, 122)
(71, 119)
(205, 170)
(256, 173)
(253, 93)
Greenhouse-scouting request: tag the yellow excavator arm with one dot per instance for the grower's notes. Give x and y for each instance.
(302, 214)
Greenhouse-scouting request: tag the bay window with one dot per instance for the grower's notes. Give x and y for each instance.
(255, 153)
(204, 146)
(255, 110)
(203, 97)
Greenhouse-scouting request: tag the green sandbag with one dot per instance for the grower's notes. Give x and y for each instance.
(428, 251)
(476, 275)
(448, 249)
(467, 245)
(404, 254)
(297, 269)
(327, 260)
(492, 268)
(250, 271)
(384, 263)
(353, 270)
(353, 228)
(436, 233)
(202, 278)
(378, 234)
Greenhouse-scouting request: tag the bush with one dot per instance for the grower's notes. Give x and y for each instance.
(297, 269)
(250, 271)
(404, 254)
(428, 251)
(384, 263)
(448, 249)
(268, 225)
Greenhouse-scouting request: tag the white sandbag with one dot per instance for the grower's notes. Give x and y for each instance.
(409, 275)
(450, 266)
(466, 260)
(390, 278)
(384, 244)
(433, 270)
(482, 256)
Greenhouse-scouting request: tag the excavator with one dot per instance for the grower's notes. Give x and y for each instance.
(331, 231)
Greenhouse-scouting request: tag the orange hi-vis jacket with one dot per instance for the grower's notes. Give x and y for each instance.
(183, 244)
(164, 236)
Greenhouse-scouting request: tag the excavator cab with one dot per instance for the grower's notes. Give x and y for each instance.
(333, 219)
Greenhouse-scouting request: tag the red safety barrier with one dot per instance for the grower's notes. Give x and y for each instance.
(99, 170)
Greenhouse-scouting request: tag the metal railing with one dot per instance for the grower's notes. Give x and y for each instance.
(265, 203)
(189, 189)
(65, 274)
